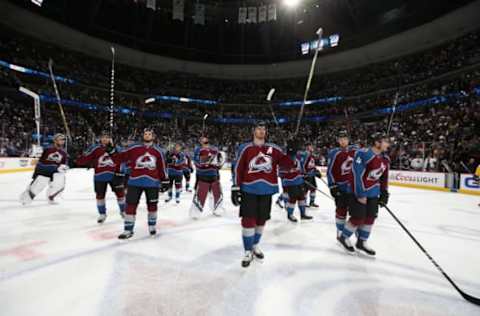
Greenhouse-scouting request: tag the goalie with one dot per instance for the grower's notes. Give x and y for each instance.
(50, 171)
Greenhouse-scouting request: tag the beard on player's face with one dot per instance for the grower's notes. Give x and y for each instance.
(343, 141)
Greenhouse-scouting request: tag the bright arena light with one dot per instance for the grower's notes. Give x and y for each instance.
(291, 3)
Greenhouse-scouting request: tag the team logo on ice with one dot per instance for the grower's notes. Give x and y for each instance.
(375, 174)
(146, 161)
(55, 156)
(260, 163)
(346, 166)
(105, 161)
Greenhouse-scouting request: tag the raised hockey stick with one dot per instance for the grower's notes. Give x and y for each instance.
(112, 89)
(59, 100)
(394, 107)
(309, 81)
(269, 100)
(203, 124)
(466, 296)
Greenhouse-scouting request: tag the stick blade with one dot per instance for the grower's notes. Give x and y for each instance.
(471, 299)
(270, 94)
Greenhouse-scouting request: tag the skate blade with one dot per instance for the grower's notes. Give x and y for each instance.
(351, 253)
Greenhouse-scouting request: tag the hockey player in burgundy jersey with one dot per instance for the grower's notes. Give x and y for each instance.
(208, 161)
(50, 171)
(293, 182)
(176, 163)
(148, 174)
(311, 172)
(339, 176)
(107, 172)
(187, 172)
(254, 182)
(370, 189)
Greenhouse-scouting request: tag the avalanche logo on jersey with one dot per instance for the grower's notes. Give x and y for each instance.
(146, 161)
(375, 174)
(105, 161)
(346, 166)
(260, 163)
(55, 157)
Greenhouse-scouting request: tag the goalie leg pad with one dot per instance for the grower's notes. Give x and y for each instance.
(57, 185)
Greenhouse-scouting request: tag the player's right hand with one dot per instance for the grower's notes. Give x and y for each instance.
(110, 148)
(236, 196)
(335, 191)
(164, 186)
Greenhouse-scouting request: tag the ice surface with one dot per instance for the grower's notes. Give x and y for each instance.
(56, 260)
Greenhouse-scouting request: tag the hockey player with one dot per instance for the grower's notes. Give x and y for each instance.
(293, 183)
(339, 176)
(254, 183)
(208, 161)
(370, 189)
(148, 174)
(311, 173)
(187, 172)
(176, 163)
(50, 171)
(107, 172)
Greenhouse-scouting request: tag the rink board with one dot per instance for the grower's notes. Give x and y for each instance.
(11, 165)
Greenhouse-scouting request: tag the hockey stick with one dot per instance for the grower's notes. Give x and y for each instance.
(394, 107)
(59, 101)
(203, 124)
(269, 100)
(309, 81)
(465, 167)
(317, 189)
(469, 298)
(112, 89)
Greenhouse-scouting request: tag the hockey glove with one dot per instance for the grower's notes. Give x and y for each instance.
(335, 192)
(383, 199)
(110, 149)
(236, 196)
(318, 174)
(164, 185)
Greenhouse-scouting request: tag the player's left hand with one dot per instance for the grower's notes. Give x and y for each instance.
(383, 199)
(318, 174)
(236, 196)
(164, 185)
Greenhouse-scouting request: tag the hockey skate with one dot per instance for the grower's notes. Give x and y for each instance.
(347, 245)
(126, 235)
(247, 259)
(258, 254)
(101, 218)
(25, 198)
(363, 246)
(312, 204)
(152, 230)
(306, 217)
(292, 218)
(279, 203)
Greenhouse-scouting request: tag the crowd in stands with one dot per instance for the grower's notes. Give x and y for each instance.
(424, 138)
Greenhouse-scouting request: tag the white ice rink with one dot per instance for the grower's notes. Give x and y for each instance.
(56, 260)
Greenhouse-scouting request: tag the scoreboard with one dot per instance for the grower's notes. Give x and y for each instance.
(326, 42)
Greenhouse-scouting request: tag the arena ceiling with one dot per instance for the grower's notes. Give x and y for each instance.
(173, 28)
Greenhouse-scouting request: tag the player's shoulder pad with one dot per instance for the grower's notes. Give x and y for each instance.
(243, 146)
(91, 149)
(159, 149)
(387, 157)
(274, 146)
